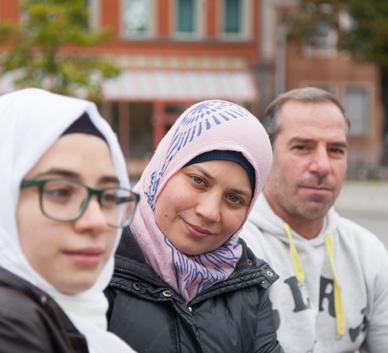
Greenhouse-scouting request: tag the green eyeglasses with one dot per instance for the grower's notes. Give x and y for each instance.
(66, 200)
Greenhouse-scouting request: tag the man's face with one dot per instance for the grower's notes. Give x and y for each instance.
(309, 163)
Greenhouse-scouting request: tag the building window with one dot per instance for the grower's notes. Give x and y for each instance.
(356, 101)
(137, 18)
(232, 16)
(235, 20)
(185, 16)
(188, 18)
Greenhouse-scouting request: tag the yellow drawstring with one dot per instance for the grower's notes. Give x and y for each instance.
(338, 303)
(299, 274)
(295, 259)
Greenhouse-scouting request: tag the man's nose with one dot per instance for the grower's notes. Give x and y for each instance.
(321, 162)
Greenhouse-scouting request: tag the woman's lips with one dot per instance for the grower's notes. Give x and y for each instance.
(197, 231)
(88, 256)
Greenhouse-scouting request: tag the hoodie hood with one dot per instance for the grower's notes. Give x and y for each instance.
(322, 247)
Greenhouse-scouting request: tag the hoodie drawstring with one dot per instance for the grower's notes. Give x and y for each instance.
(299, 274)
(338, 303)
(295, 259)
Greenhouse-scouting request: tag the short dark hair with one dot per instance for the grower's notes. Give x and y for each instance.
(271, 118)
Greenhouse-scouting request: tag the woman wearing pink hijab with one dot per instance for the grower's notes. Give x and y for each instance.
(184, 281)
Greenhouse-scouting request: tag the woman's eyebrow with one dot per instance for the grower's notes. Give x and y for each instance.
(203, 171)
(60, 172)
(108, 179)
(211, 177)
(74, 175)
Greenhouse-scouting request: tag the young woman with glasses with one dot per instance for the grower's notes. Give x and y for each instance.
(183, 280)
(65, 196)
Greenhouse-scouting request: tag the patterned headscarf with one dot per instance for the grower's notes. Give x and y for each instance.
(206, 126)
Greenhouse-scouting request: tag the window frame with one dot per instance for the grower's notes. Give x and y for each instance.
(151, 23)
(246, 22)
(198, 22)
(366, 122)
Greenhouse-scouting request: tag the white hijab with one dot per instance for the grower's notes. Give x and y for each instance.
(31, 121)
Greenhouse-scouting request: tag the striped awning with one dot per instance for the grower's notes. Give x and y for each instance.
(181, 85)
(142, 84)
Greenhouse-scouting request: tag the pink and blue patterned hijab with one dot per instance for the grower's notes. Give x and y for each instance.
(206, 126)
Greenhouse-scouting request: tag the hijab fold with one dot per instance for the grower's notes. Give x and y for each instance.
(31, 121)
(213, 125)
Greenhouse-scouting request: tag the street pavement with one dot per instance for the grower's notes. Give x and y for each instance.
(367, 204)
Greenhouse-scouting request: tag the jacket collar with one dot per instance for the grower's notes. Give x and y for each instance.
(130, 263)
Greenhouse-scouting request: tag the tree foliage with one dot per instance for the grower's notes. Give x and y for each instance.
(304, 19)
(365, 33)
(49, 49)
(367, 38)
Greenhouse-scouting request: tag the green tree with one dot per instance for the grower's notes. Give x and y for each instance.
(49, 49)
(365, 36)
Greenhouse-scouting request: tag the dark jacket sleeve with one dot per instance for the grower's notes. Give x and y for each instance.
(21, 333)
(266, 338)
(110, 294)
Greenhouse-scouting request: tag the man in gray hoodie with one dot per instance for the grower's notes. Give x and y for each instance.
(332, 295)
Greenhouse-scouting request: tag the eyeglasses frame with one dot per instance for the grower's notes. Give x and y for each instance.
(98, 192)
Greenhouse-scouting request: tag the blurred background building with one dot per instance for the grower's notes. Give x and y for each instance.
(176, 52)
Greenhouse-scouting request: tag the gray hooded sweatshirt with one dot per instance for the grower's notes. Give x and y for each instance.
(311, 319)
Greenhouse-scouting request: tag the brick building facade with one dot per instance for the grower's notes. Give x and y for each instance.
(176, 52)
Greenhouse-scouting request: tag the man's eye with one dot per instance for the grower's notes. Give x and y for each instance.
(337, 151)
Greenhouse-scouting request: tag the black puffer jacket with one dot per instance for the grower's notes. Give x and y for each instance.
(32, 322)
(234, 316)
